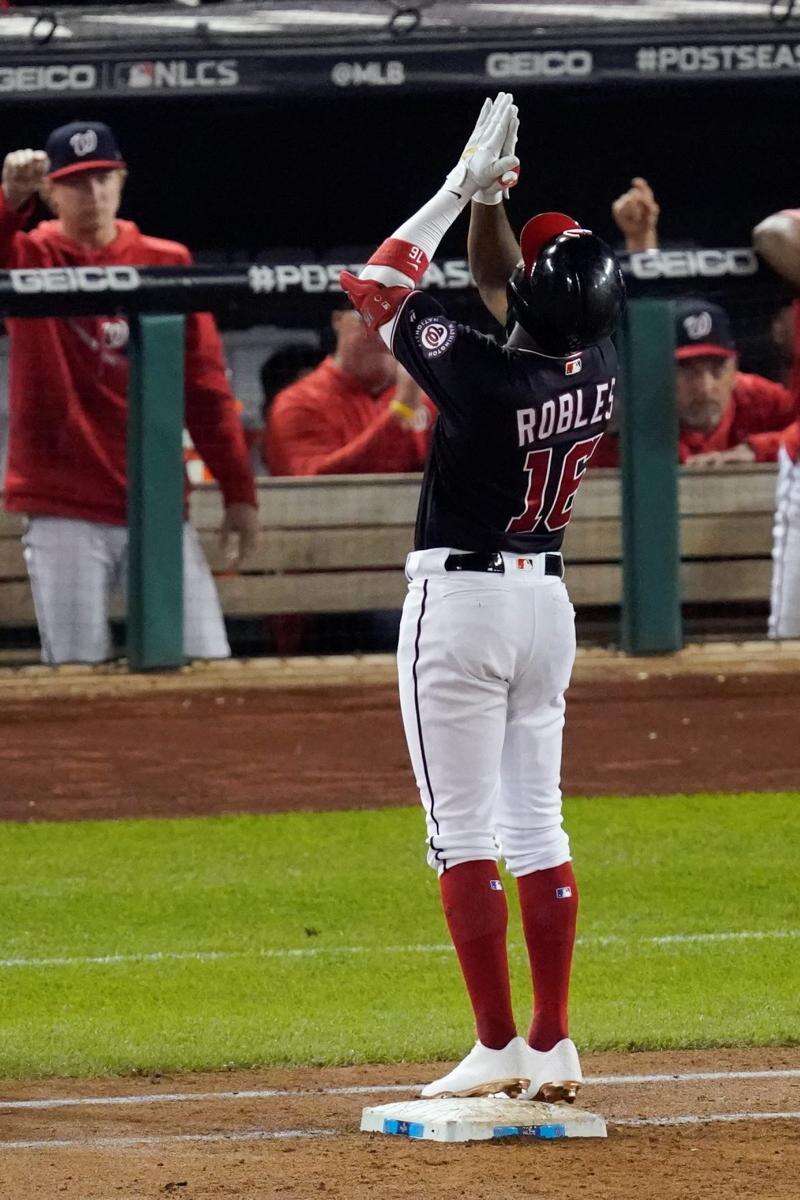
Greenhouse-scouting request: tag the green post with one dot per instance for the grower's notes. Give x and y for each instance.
(651, 605)
(155, 493)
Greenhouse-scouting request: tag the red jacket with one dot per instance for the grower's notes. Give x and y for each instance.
(326, 424)
(68, 387)
(758, 413)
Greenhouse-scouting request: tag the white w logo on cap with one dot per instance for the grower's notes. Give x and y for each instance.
(698, 326)
(84, 143)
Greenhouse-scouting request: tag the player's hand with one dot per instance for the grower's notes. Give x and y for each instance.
(23, 174)
(407, 405)
(722, 458)
(500, 189)
(636, 213)
(484, 162)
(240, 521)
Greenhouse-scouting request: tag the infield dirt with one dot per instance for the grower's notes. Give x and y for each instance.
(227, 740)
(234, 1156)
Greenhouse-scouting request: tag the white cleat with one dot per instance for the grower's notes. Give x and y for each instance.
(554, 1074)
(484, 1072)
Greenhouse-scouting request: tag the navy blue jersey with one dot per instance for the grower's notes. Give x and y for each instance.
(515, 432)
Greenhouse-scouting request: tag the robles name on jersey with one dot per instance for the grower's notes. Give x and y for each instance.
(567, 412)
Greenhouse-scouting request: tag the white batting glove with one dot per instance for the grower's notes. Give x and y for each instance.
(23, 174)
(496, 193)
(484, 166)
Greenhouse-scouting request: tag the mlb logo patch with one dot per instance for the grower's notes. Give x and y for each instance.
(524, 564)
(496, 885)
(563, 893)
(573, 366)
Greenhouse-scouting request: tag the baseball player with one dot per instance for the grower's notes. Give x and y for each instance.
(487, 638)
(67, 459)
(777, 240)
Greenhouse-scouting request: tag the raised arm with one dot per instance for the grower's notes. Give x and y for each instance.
(398, 265)
(23, 174)
(777, 240)
(492, 246)
(636, 214)
(494, 253)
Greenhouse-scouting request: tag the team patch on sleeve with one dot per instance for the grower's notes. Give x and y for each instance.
(435, 335)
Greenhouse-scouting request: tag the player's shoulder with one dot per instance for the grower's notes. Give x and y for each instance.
(435, 331)
(599, 360)
(750, 389)
(157, 251)
(311, 390)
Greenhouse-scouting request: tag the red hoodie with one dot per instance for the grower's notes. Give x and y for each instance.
(69, 380)
(326, 424)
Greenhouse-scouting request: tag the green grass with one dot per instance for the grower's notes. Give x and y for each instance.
(244, 886)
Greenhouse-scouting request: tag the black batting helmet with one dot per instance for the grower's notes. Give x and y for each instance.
(568, 292)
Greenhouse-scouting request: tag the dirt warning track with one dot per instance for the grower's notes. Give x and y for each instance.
(681, 1124)
(79, 744)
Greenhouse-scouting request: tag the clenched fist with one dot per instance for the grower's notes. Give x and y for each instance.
(23, 172)
(636, 213)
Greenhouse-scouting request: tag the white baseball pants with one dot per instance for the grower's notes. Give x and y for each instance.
(483, 662)
(784, 617)
(76, 566)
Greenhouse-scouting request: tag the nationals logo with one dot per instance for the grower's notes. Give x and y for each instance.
(84, 143)
(435, 336)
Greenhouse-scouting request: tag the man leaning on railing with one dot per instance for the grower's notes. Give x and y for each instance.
(725, 415)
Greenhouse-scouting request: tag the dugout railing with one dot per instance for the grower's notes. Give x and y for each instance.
(623, 544)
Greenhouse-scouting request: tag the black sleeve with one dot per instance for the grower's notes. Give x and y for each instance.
(452, 363)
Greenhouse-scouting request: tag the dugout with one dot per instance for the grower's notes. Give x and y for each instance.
(255, 135)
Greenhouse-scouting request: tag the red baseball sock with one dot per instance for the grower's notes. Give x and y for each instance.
(549, 903)
(477, 915)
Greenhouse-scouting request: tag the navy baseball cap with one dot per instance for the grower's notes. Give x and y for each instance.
(82, 146)
(702, 330)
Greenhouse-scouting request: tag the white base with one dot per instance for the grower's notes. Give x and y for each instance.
(481, 1118)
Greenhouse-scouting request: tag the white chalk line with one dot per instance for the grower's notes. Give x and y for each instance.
(115, 1143)
(267, 1135)
(145, 1098)
(711, 1119)
(159, 956)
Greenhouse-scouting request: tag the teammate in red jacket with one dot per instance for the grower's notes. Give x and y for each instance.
(725, 416)
(67, 464)
(356, 413)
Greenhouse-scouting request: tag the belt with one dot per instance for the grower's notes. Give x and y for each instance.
(492, 563)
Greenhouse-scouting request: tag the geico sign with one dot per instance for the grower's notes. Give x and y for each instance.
(689, 264)
(75, 279)
(539, 64)
(80, 77)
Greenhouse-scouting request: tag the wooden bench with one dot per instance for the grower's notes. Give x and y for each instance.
(338, 544)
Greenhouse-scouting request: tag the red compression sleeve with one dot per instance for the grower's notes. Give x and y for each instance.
(405, 257)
